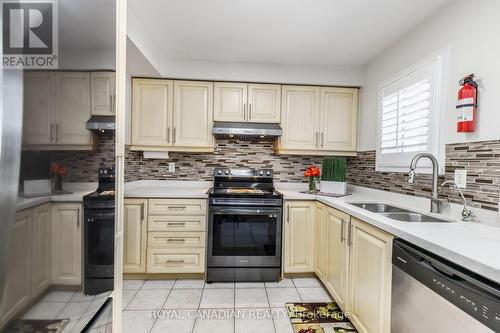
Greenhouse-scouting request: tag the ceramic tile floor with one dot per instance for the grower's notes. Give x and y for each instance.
(192, 306)
(76, 306)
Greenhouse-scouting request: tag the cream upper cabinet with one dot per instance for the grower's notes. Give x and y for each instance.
(41, 248)
(299, 237)
(264, 103)
(338, 125)
(18, 280)
(336, 280)
(230, 101)
(135, 236)
(73, 100)
(193, 114)
(370, 278)
(102, 86)
(299, 118)
(152, 104)
(38, 127)
(321, 241)
(66, 244)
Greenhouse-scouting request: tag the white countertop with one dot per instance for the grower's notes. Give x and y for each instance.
(167, 189)
(475, 246)
(78, 190)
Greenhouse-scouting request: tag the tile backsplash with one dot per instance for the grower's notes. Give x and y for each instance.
(481, 159)
(228, 153)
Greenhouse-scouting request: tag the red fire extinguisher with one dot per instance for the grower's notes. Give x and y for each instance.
(467, 104)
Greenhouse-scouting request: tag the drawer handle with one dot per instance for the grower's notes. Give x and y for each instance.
(177, 207)
(174, 261)
(176, 223)
(176, 240)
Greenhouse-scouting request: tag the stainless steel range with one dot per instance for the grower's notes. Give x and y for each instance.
(244, 226)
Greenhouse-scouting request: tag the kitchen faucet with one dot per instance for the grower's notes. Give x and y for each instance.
(467, 213)
(435, 202)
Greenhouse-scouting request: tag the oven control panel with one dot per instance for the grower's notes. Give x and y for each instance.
(246, 173)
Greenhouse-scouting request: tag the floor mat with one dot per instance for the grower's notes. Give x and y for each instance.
(318, 318)
(38, 326)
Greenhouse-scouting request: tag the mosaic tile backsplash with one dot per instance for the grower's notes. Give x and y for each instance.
(481, 159)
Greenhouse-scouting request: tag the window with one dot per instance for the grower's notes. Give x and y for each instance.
(410, 112)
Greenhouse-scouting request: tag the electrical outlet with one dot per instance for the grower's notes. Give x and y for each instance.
(461, 178)
(171, 167)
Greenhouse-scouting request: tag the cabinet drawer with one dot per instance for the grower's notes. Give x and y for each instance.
(177, 207)
(176, 261)
(176, 223)
(176, 239)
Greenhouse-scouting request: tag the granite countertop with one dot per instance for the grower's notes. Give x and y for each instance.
(78, 190)
(475, 246)
(167, 189)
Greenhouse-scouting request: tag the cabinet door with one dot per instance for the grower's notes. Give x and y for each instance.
(40, 253)
(299, 237)
(17, 288)
(102, 100)
(66, 244)
(264, 103)
(337, 256)
(230, 101)
(339, 109)
(134, 232)
(38, 108)
(73, 109)
(193, 114)
(152, 104)
(320, 241)
(370, 278)
(300, 118)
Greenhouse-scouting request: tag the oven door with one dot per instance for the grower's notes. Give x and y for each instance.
(99, 235)
(244, 237)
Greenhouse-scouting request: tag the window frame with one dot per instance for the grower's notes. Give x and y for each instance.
(437, 116)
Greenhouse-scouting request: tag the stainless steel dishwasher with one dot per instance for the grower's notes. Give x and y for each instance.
(431, 294)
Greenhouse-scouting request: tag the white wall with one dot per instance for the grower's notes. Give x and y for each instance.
(471, 30)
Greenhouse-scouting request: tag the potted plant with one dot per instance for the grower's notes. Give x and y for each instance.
(312, 172)
(333, 175)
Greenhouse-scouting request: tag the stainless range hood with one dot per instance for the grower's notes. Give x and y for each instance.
(246, 131)
(101, 123)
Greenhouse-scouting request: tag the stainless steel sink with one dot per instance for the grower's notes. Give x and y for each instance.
(379, 208)
(399, 214)
(413, 217)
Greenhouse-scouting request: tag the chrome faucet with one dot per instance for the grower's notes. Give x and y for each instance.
(435, 202)
(467, 213)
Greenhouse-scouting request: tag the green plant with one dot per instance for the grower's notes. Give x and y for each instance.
(334, 169)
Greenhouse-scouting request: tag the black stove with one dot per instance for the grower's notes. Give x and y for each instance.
(99, 235)
(244, 226)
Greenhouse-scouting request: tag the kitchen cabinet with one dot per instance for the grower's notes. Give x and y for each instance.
(243, 102)
(56, 108)
(134, 235)
(103, 93)
(321, 241)
(193, 114)
(337, 253)
(66, 244)
(172, 115)
(41, 247)
(299, 237)
(370, 277)
(17, 291)
(318, 120)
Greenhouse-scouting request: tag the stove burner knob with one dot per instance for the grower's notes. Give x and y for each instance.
(261, 173)
(219, 172)
(268, 173)
(226, 172)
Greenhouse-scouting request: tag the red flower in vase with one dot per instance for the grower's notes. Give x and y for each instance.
(58, 169)
(312, 171)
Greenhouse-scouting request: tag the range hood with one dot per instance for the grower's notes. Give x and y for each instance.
(246, 131)
(101, 123)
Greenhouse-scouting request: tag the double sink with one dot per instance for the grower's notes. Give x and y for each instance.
(399, 214)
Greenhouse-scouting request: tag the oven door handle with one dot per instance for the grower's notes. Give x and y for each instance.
(99, 216)
(242, 211)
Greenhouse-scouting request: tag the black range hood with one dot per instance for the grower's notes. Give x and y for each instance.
(246, 131)
(101, 123)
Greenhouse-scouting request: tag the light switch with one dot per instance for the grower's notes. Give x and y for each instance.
(461, 178)
(171, 167)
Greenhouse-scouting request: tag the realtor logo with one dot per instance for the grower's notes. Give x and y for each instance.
(29, 34)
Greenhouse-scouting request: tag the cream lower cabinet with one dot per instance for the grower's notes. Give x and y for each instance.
(321, 243)
(135, 236)
(66, 244)
(40, 253)
(370, 278)
(299, 237)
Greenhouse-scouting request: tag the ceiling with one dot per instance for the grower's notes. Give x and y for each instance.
(296, 32)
